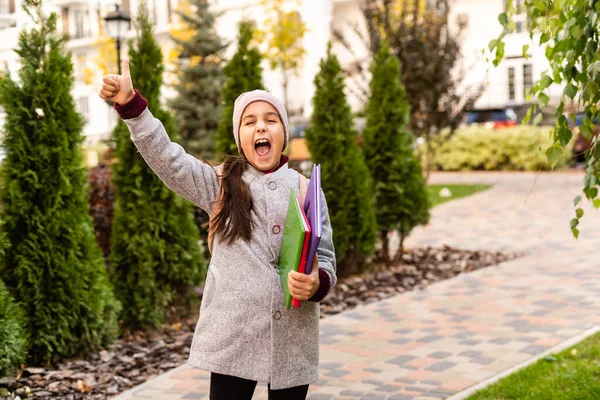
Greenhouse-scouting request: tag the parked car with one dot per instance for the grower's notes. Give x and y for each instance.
(492, 118)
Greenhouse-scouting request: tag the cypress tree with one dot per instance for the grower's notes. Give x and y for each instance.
(155, 250)
(345, 179)
(197, 105)
(400, 192)
(243, 74)
(51, 263)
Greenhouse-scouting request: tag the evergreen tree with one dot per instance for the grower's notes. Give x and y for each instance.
(400, 193)
(198, 103)
(155, 251)
(51, 263)
(243, 74)
(12, 334)
(344, 174)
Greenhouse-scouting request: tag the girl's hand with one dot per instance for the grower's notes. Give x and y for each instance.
(118, 88)
(303, 286)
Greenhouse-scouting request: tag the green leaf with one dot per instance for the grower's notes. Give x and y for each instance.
(503, 18)
(550, 358)
(545, 82)
(574, 223)
(543, 99)
(590, 192)
(554, 154)
(575, 233)
(544, 38)
(538, 119)
(493, 44)
(585, 130)
(577, 200)
(564, 135)
(579, 213)
(571, 91)
(596, 203)
(526, 51)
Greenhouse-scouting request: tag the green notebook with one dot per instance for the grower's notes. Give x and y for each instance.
(294, 233)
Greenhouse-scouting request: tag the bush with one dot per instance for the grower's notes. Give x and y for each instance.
(400, 193)
(510, 149)
(51, 262)
(347, 184)
(12, 334)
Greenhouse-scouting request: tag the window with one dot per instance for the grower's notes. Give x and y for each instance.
(511, 83)
(79, 21)
(520, 17)
(527, 79)
(82, 105)
(4, 7)
(80, 67)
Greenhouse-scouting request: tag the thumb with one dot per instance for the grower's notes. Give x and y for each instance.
(125, 69)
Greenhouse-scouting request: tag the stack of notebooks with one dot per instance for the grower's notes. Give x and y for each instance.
(301, 234)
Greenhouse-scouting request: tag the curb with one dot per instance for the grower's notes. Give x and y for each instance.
(556, 349)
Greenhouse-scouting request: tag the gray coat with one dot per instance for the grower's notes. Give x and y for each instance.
(244, 329)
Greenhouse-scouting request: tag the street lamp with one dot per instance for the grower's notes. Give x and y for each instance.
(117, 24)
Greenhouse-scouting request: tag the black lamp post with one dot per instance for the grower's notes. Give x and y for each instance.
(117, 24)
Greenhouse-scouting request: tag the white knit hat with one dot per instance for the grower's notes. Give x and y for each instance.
(245, 99)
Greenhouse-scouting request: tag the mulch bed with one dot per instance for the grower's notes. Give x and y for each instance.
(138, 357)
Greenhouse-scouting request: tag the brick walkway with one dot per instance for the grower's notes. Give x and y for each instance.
(459, 334)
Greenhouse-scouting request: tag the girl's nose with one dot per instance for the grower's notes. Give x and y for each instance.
(261, 126)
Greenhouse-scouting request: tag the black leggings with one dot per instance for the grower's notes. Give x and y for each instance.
(225, 387)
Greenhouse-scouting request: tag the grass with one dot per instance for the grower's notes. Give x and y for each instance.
(573, 374)
(457, 191)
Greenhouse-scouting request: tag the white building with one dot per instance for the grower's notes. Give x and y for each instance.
(81, 20)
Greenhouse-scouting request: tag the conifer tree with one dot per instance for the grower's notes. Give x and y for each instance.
(243, 74)
(400, 192)
(197, 105)
(155, 250)
(51, 263)
(345, 178)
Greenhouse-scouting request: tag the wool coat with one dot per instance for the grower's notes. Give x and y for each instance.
(244, 329)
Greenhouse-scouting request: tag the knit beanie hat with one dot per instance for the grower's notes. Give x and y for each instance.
(245, 99)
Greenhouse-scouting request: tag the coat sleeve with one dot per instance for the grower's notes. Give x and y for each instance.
(187, 176)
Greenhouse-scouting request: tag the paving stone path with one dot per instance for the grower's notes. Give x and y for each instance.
(460, 334)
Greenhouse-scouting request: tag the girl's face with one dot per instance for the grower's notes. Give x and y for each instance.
(262, 135)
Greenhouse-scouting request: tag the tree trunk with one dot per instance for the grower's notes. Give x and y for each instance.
(385, 248)
(285, 90)
(428, 157)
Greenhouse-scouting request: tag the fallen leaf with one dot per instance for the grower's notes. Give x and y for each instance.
(82, 387)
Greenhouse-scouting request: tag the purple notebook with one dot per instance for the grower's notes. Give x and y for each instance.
(314, 213)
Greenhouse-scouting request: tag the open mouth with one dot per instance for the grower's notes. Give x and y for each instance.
(262, 147)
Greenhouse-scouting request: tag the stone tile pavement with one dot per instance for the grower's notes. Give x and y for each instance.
(445, 340)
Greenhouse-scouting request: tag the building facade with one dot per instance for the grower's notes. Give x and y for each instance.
(82, 21)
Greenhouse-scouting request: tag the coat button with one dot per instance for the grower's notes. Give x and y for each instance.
(277, 315)
(272, 185)
(276, 229)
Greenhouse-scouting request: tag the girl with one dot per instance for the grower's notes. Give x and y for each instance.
(244, 334)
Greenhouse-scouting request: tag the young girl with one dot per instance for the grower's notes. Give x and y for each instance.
(244, 334)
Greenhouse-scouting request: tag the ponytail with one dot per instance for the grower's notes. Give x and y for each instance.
(232, 210)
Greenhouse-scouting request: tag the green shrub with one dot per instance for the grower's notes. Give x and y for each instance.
(510, 149)
(51, 262)
(12, 334)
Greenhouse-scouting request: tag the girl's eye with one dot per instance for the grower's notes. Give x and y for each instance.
(249, 122)
(271, 120)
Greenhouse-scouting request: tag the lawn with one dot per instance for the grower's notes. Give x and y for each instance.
(456, 192)
(573, 374)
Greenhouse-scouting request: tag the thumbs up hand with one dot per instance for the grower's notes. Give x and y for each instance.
(118, 88)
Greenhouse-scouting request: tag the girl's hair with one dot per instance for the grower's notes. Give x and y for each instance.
(232, 219)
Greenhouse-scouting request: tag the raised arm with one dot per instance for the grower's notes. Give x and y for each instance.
(181, 172)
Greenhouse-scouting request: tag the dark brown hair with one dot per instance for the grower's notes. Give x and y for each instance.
(232, 217)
